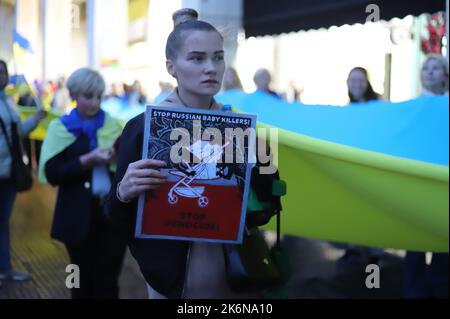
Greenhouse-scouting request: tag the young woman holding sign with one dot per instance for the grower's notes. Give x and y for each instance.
(195, 58)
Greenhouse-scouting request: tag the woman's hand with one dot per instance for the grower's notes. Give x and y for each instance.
(40, 115)
(141, 176)
(98, 156)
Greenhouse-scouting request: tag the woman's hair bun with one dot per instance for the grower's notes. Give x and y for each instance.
(184, 15)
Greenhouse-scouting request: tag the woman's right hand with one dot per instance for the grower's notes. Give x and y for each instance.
(141, 176)
(99, 155)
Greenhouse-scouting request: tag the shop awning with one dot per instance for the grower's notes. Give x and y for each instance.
(271, 17)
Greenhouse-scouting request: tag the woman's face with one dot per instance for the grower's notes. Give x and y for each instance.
(3, 76)
(433, 76)
(357, 84)
(88, 104)
(200, 64)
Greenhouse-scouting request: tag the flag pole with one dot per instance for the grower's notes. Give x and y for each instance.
(446, 27)
(16, 71)
(44, 40)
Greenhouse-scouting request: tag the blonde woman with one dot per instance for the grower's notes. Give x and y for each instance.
(422, 280)
(76, 157)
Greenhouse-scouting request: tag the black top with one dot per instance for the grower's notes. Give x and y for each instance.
(75, 204)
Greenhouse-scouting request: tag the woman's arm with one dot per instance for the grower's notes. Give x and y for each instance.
(133, 175)
(27, 126)
(129, 151)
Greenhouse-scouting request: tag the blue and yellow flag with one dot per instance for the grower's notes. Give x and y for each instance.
(21, 47)
(374, 174)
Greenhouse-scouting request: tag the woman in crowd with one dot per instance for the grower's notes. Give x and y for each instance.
(262, 79)
(9, 118)
(172, 268)
(359, 91)
(359, 87)
(231, 80)
(76, 156)
(422, 280)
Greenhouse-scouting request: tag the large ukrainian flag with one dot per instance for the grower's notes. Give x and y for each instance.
(374, 174)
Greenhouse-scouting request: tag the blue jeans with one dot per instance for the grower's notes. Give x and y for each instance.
(426, 281)
(7, 197)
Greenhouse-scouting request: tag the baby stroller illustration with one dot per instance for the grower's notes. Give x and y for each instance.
(208, 154)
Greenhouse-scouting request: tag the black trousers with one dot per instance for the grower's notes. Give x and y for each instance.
(99, 258)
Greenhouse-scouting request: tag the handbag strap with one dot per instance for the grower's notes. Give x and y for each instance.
(2, 124)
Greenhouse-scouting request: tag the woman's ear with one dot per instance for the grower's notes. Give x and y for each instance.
(171, 68)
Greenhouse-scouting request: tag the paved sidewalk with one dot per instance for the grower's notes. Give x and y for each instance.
(45, 259)
(317, 275)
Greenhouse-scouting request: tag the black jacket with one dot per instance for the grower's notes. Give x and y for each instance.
(75, 204)
(162, 262)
